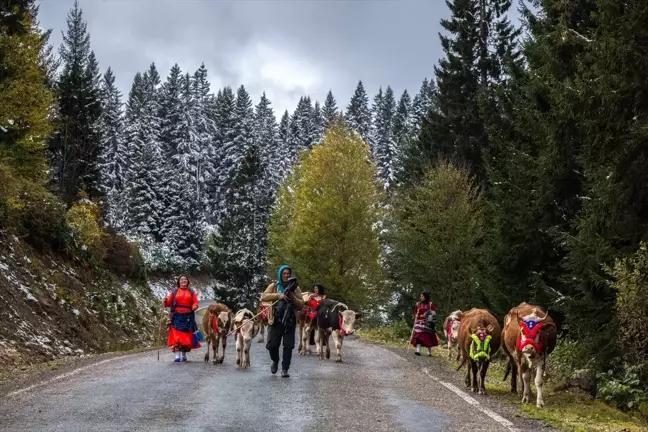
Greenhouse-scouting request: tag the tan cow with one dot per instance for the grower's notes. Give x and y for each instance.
(216, 324)
(307, 323)
(262, 312)
(529, 336)
(246, 329)
(451, 329)
(479, 339)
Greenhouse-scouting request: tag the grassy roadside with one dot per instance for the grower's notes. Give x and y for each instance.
(570, 411)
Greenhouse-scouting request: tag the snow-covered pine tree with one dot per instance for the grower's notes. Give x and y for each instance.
(144, 189)
(75, 146)
(384, 145)
(317, 122)
(330, 110)
(374, 133)
(358, 114)
(302, 130)
(422, 103)
(225, 151)
(113, 159)
(284, 154)
(402, 130)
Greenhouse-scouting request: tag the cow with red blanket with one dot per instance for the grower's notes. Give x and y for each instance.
(307, 320)
(216, 324)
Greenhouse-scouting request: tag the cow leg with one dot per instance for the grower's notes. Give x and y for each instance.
(208, 343)
(483, 368)
(514, 376)
(246, 352)
(328, 345)
(526, 382)
(239, 349)
(261, 333)
(449, 349)
(221, 359)
(337, 340)
(300, 348)
(538, 383)
(319, 340)
(307, 336)
(468, 372)
(474, 368)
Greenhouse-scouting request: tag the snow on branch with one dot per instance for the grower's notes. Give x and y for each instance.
(580, 36)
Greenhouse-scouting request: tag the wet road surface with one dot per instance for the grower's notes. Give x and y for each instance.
(375, 389)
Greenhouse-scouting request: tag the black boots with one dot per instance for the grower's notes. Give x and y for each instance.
(284, 374)
(274, 367)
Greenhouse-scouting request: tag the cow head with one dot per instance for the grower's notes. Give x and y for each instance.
(531, 340)
(347, 321)
(224, 323)
(454, 324)
(480, 345)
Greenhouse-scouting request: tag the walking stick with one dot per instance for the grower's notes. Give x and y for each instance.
(409, 342)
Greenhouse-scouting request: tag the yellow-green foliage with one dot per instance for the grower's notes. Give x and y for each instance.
(325, 221)
(25, 101)
(84, 218)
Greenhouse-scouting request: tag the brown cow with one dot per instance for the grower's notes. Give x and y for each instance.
(480, 336)
(307, 323)
(216, 324)
(262, 320)
(529, 336)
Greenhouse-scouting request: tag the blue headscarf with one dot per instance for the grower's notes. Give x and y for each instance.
(280, 286)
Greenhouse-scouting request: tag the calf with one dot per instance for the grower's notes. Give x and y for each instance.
(337, 319)
(529, 336)
(262, 312)
(246, 329)
(307, 323)
(216, 324)
(479, 339)
(451, 330)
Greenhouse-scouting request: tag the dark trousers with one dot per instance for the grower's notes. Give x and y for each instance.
(276, 333)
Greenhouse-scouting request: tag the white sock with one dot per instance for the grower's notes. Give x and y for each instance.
(184, 355)
(177, 354)
(430, 351)
(418, 348)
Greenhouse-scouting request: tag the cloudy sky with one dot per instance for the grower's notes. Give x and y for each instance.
(288, 48)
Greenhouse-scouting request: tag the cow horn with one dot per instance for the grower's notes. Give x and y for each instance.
(544, 317)
(517, 315)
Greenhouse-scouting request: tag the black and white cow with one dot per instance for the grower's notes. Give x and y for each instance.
(337, 319)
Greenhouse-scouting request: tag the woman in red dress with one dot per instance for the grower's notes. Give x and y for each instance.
(183, 302)
(423, 335)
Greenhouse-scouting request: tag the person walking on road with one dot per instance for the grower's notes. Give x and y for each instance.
(282, 317)
(424, 332)
(183, 302)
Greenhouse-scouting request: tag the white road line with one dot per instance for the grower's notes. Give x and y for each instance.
(59, 377)
(471, 401)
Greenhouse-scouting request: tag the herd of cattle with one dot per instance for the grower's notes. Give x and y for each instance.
(330, 318)
(528, 336)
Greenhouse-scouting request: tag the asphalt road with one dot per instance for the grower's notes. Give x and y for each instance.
(373, 390)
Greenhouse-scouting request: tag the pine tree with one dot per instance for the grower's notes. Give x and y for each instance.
(358, 115)
(402, 131)
(24, 127)
(284, 156)
(75, 147)
(330, 110)
(317, 124)
(144, 191)
(423, 101)
(384, 145)
(302, 130)
(224, 145)
(113, 159)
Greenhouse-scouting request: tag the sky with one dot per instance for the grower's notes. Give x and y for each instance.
(287, 48)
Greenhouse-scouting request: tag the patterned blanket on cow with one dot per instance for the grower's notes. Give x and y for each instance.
(310, 308)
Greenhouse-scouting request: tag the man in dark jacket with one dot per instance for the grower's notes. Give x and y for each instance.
(282, 317)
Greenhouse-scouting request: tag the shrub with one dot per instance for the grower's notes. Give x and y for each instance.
(630, 281)
(623, 391)
(124, 258)
(84, 220)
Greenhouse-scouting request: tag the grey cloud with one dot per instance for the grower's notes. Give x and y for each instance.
(381, 42)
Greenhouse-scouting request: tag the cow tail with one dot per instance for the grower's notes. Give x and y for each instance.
(463, 362)
(508, 371)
